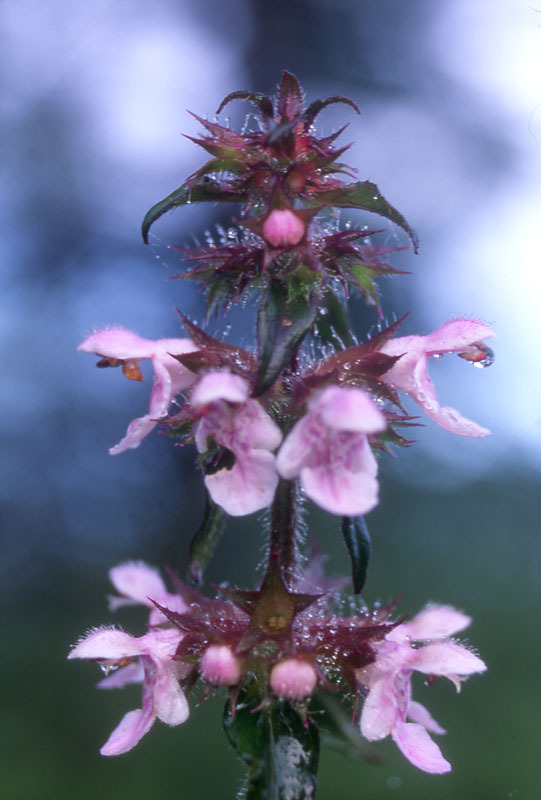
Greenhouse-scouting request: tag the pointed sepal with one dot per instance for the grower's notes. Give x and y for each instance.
(290, 97)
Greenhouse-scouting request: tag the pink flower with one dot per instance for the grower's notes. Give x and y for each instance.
(293, 679)
(120, 347)
(389, 704)
(410, 373)
(220, 666)
(138, 583)
(283, 228)
(149, 659)
(245, 479)
(328, 448)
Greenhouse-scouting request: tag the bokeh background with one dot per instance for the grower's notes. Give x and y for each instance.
(94, 98)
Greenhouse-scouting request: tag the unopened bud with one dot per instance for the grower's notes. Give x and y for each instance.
(220, 666)
(293, 679)
(283, 228)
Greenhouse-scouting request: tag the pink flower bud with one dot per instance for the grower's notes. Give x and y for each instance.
(293, 679)
(283, 228)
(220, 666)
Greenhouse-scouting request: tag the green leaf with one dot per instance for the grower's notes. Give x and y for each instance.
(208, 191)
(205, 541)
(260, 100)
(318, 105)
(283, 321)
(332, 324)
(367, 196)
(357, 539)
(280, 749)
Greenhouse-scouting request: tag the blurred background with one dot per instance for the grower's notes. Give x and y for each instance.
(94, 99)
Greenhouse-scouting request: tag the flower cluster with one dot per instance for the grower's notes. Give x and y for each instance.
(304, 413)
(218, 643)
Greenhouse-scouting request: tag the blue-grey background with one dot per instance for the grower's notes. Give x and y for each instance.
(93, 101)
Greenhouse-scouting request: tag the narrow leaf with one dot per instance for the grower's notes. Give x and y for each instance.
(208, 191)
(282, 324)
(205, 541)
(367, 196)
(318, 105)
(260, 100)
(332, 323)
(358, 543)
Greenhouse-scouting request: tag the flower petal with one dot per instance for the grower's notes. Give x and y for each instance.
(415, 743)
(296, 449)
(455, 335)
(249, 486)
(348, 409)
(446, 658)
(418, 713)
(137, 430)
(214, 386)
(380, 710)
(255, 429)
(107, 643)
(117, 343)
(170, 702)
(128, 733)
(433, 622)
(340, 492)
(137, 581)
(132, 673)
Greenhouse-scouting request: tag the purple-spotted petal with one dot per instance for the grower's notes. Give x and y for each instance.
(340, 492)
(415, 743)
(255, 429)
(128, 733)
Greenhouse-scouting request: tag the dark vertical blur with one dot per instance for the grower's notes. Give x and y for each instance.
(93, 101)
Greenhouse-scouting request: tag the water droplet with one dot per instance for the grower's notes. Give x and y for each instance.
(478, 354)
(437, 356)
(108, 667)
(488, 359)
(348, 224)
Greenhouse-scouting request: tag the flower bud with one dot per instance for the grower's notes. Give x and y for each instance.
(283, 228)
(293, 679)
(220, 666)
